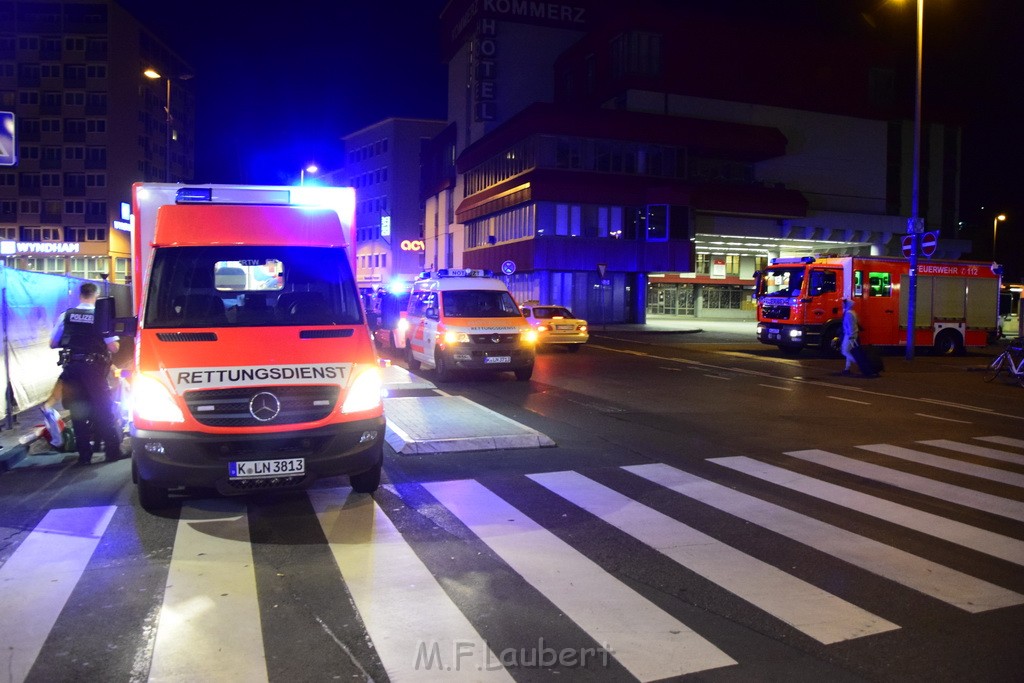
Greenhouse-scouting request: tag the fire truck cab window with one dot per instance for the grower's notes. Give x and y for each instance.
(880, 284)
(783, 281)
(822, 282)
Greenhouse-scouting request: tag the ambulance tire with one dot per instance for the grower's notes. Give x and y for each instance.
(412, 363)
(368, 481)
(524, 374)
(442, 369)
(151, 497)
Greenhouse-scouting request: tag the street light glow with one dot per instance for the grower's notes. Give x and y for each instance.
(995, 228)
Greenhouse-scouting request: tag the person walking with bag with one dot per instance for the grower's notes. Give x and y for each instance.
(850, 331)
(85, 355)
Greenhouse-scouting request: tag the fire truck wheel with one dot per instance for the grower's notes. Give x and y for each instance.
(412, 363)
(831, 340)
(949, 343)
(368, 481)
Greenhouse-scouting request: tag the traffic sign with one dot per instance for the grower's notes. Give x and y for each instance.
(908, 245)
(508, 267)
(602, 268)
(929, 241)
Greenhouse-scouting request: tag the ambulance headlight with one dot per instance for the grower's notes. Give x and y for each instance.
(153, 402)
(365, 393)
(528, 337)
(452, 337)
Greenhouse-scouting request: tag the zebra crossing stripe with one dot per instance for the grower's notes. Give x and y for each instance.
(953, 587)
(647, 641)
(981, 540)
(1002, 440)
(1004, 507)
(417, 630)
(970, 469)
(37, 579)
(971, 449)
(209, 627)
(807, 608)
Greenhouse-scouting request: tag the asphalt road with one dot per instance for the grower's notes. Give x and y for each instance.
(710, 509)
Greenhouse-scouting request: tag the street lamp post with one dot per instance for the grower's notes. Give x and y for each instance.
(995, 227)
(168, 119)
(914, 226)
(312, 168)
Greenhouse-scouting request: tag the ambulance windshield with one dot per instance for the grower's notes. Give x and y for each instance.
(479, 303)
(243, 286)
(782, 282)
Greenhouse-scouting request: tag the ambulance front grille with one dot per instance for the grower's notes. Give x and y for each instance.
(492, 339)
(239, 407)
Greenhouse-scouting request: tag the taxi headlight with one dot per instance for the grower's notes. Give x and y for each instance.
(452, 337)
(365, 393)
(152, 401)
(529, 337)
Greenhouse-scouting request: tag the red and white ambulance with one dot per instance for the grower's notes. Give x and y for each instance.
(800, 302)
(466, 319)
(254, 365)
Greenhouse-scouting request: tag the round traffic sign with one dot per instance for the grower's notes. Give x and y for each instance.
(908, 245)
(929, 241)
(508, 267)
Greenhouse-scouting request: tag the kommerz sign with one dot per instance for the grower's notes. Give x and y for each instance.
(10, 247)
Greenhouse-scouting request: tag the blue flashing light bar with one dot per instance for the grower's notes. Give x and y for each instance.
(795, 259)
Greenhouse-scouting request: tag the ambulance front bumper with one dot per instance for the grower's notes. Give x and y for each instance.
(198, 460)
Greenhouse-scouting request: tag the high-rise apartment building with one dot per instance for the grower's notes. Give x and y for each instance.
(89, 124)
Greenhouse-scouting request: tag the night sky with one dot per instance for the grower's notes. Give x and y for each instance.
(279, 88)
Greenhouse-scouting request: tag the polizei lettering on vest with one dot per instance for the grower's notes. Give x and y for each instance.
(207, 378)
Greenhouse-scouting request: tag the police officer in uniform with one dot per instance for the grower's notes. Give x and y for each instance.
(85, 355)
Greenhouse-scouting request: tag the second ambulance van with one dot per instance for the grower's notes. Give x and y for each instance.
(467, 319)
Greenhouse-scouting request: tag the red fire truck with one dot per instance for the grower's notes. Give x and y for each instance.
(800, 302)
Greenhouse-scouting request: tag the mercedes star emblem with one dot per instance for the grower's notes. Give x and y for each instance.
(264, 406)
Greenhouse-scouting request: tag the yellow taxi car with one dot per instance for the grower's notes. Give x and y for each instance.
(556, 325)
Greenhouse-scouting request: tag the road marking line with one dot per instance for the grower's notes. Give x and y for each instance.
(983, 541)
(647, 641)
(980, 471)
(807, 608)
(813, 382)
(1002, 440)
(849, 400)
(938, 581)
(773, 386)
(717, 377)
(971, 449)
(944, 419)
(38, 578)
(407, 614)
(1004, 507)
(209, 626)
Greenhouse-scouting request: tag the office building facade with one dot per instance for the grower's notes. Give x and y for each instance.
(647, 160)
